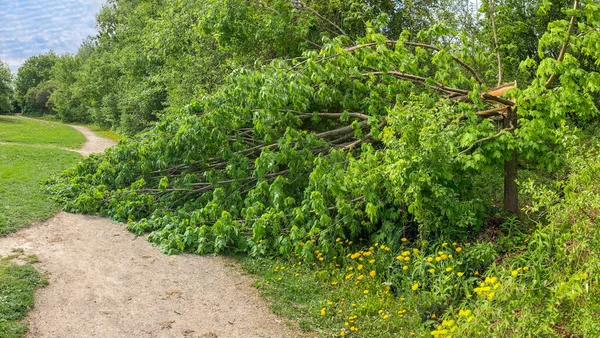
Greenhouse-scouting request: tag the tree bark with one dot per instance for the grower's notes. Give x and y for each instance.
(511, 190)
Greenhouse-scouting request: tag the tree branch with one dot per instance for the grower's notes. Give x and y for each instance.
(324, 19)
(493, 19)
(563, 50)
(422, 45)
(486, 139)
(420, 80)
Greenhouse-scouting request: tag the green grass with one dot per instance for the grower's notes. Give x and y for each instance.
(36, 132)
(102, 131)
(22, 170)
(17, 285)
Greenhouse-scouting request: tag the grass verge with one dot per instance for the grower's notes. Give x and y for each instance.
(17, 285)
(102, 131)
(22, 170)
(35, 132)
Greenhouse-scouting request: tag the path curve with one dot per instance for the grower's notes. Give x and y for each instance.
(93, 143)
(108, 282)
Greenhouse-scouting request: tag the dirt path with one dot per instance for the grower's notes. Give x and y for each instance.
(94, 143)
(106, 282)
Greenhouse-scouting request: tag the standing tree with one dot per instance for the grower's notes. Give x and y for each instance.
(6, 89)
(31, 88)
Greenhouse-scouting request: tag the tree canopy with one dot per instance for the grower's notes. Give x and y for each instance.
(6, 89)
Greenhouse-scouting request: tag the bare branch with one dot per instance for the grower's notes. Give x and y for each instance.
(493, 19)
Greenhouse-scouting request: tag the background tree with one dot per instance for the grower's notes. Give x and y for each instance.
(6, 89)
(31, 91)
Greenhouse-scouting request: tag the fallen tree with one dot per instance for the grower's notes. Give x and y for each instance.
(382, 139)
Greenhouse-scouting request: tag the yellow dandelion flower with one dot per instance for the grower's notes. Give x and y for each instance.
(349, 276)
(350, 268)
(279, 278)
(386, 317)
(404, 239)
(415, 287)
(405, 268)
(367, 253)
(459, 274)
(342, 333)
(366, 292)
(329, 303)
(514, 273)
(372, 261)
(444, 244)
(415, 251)
(297, 275)
(372, 273)
(360, 277)
(491, 295)
(334, 283)
(431, 270)
(399, 258)
(526, 268)
(429, 259)
(323, 312)
(437, 259)
(459, 249)
(448, 269)
(359, 267)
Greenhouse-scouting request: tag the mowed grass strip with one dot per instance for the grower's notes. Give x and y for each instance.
(36, 132)
(17, 285)
(22, 170)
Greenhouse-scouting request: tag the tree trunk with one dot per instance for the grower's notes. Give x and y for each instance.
(511, 190)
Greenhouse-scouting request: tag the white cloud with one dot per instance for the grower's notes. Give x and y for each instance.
(32, 27)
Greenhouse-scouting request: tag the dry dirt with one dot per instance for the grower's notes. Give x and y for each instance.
(106, 282)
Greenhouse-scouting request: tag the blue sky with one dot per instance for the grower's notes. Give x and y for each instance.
(32, 27)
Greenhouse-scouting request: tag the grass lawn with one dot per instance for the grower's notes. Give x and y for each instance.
(101, 131)
(29, 131)
(22, 170)
(17, 285)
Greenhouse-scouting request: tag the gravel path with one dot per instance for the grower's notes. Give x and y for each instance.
(106, 282)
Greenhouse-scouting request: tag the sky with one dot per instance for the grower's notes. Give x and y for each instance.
(32, 27)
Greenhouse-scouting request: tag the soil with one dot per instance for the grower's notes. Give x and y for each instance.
(106, 282)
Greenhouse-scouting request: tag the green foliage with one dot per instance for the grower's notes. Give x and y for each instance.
(552, 284)
(31, 90)
(6, 89)
(273, 175)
